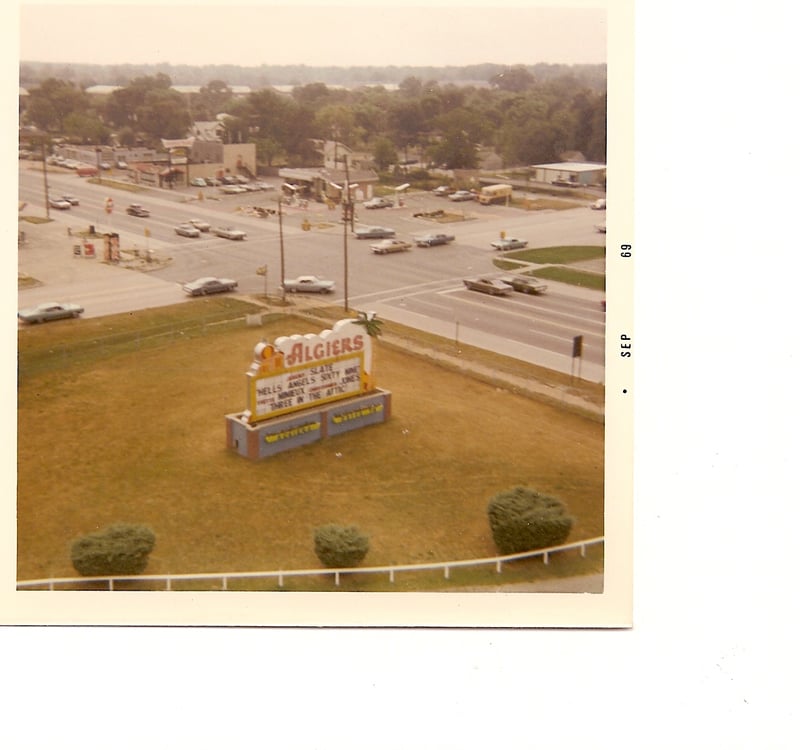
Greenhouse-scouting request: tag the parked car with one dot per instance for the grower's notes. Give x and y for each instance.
(212, 182)
(373, 233)
(509, 243)
(198, 182)
(487, 286)
(241, 179)
(71, 163)
(203, 226)
(443, 191)
(228, 179)
(599, 204)
(122, 164)
(462, 195)
(309, 284)
(49, 311)
(525, 284)
(230, 233)
(209, 285)
(233, 189)
(378, 203)
(105, 165)
(600, 228)
(187, 230)
(390, 246)
(264, 186)
(427, 240)
(137, 209)
(60, 204)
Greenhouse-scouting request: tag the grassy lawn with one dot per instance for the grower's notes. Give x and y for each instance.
(572, 276)
(122, 419)
(568, 254)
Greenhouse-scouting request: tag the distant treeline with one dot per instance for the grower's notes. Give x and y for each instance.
(264, 76)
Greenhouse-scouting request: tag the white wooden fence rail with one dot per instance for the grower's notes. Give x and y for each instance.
(281, 575)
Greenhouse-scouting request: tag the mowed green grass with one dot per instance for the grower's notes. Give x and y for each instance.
(561, 254)
(131, 428)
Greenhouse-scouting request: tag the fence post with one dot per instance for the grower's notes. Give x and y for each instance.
(337, 577)
(280, 580)
(224, 583)
(169, 583)
(447, 572)
(583, 550)
(391, 575)
(110, 584)
(546, 559)
(499, 566)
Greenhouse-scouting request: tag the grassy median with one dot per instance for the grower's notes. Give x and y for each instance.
(122, 419)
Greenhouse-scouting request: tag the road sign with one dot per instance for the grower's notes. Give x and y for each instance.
(577, 346)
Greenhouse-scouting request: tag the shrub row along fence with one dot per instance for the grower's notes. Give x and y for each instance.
(281, 576)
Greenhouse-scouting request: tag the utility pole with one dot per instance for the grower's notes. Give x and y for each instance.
(46, 188)
(280, 232)
(346, 207)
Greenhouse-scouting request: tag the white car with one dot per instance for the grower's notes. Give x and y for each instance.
(378, 203)
(203, 226)
(599, 204)
(187, 230)
(233, 189)
(230, 233)
(462, 195)
(390, 246)
(60, 204)
(309, 284)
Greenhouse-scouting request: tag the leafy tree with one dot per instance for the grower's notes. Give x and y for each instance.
(384, 153)
(53, 101)
(85, 128)
(373, 327)
(340, 546)
(120, 549)
(522, 519)
(517, 78)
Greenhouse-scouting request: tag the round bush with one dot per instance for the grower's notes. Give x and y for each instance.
(522, 519)
(340, 546)
(121, 549)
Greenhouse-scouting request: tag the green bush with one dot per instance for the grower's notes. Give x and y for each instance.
(522, 519)
(340, 546)
(121, 549)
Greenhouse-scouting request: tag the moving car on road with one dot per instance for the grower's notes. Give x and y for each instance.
(49, 311)
(209, 285)
(230, 233)
(378, 203)
(487, 286)
(187, 230)
(525, 284)
(373, 233)
(390, 246)
(203, 226)
(599, 204)
(137, 209)
(509, 243)
(60, 204)
(443, 191)
(436, 238)
(309, 284)
(71, 199)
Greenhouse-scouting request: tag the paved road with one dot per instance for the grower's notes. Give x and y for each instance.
(422, 288)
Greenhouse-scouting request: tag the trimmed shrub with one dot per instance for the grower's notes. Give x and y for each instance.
(522, 519)
(121, 549)
(340, 546)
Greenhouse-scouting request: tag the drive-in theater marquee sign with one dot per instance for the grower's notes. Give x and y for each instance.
(304, 388)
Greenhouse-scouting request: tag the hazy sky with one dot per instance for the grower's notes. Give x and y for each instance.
(376, 33)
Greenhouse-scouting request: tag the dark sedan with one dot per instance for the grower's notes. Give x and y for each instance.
(209, 285)
(370, 233)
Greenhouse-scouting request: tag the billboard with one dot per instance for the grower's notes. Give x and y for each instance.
(298, 372)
